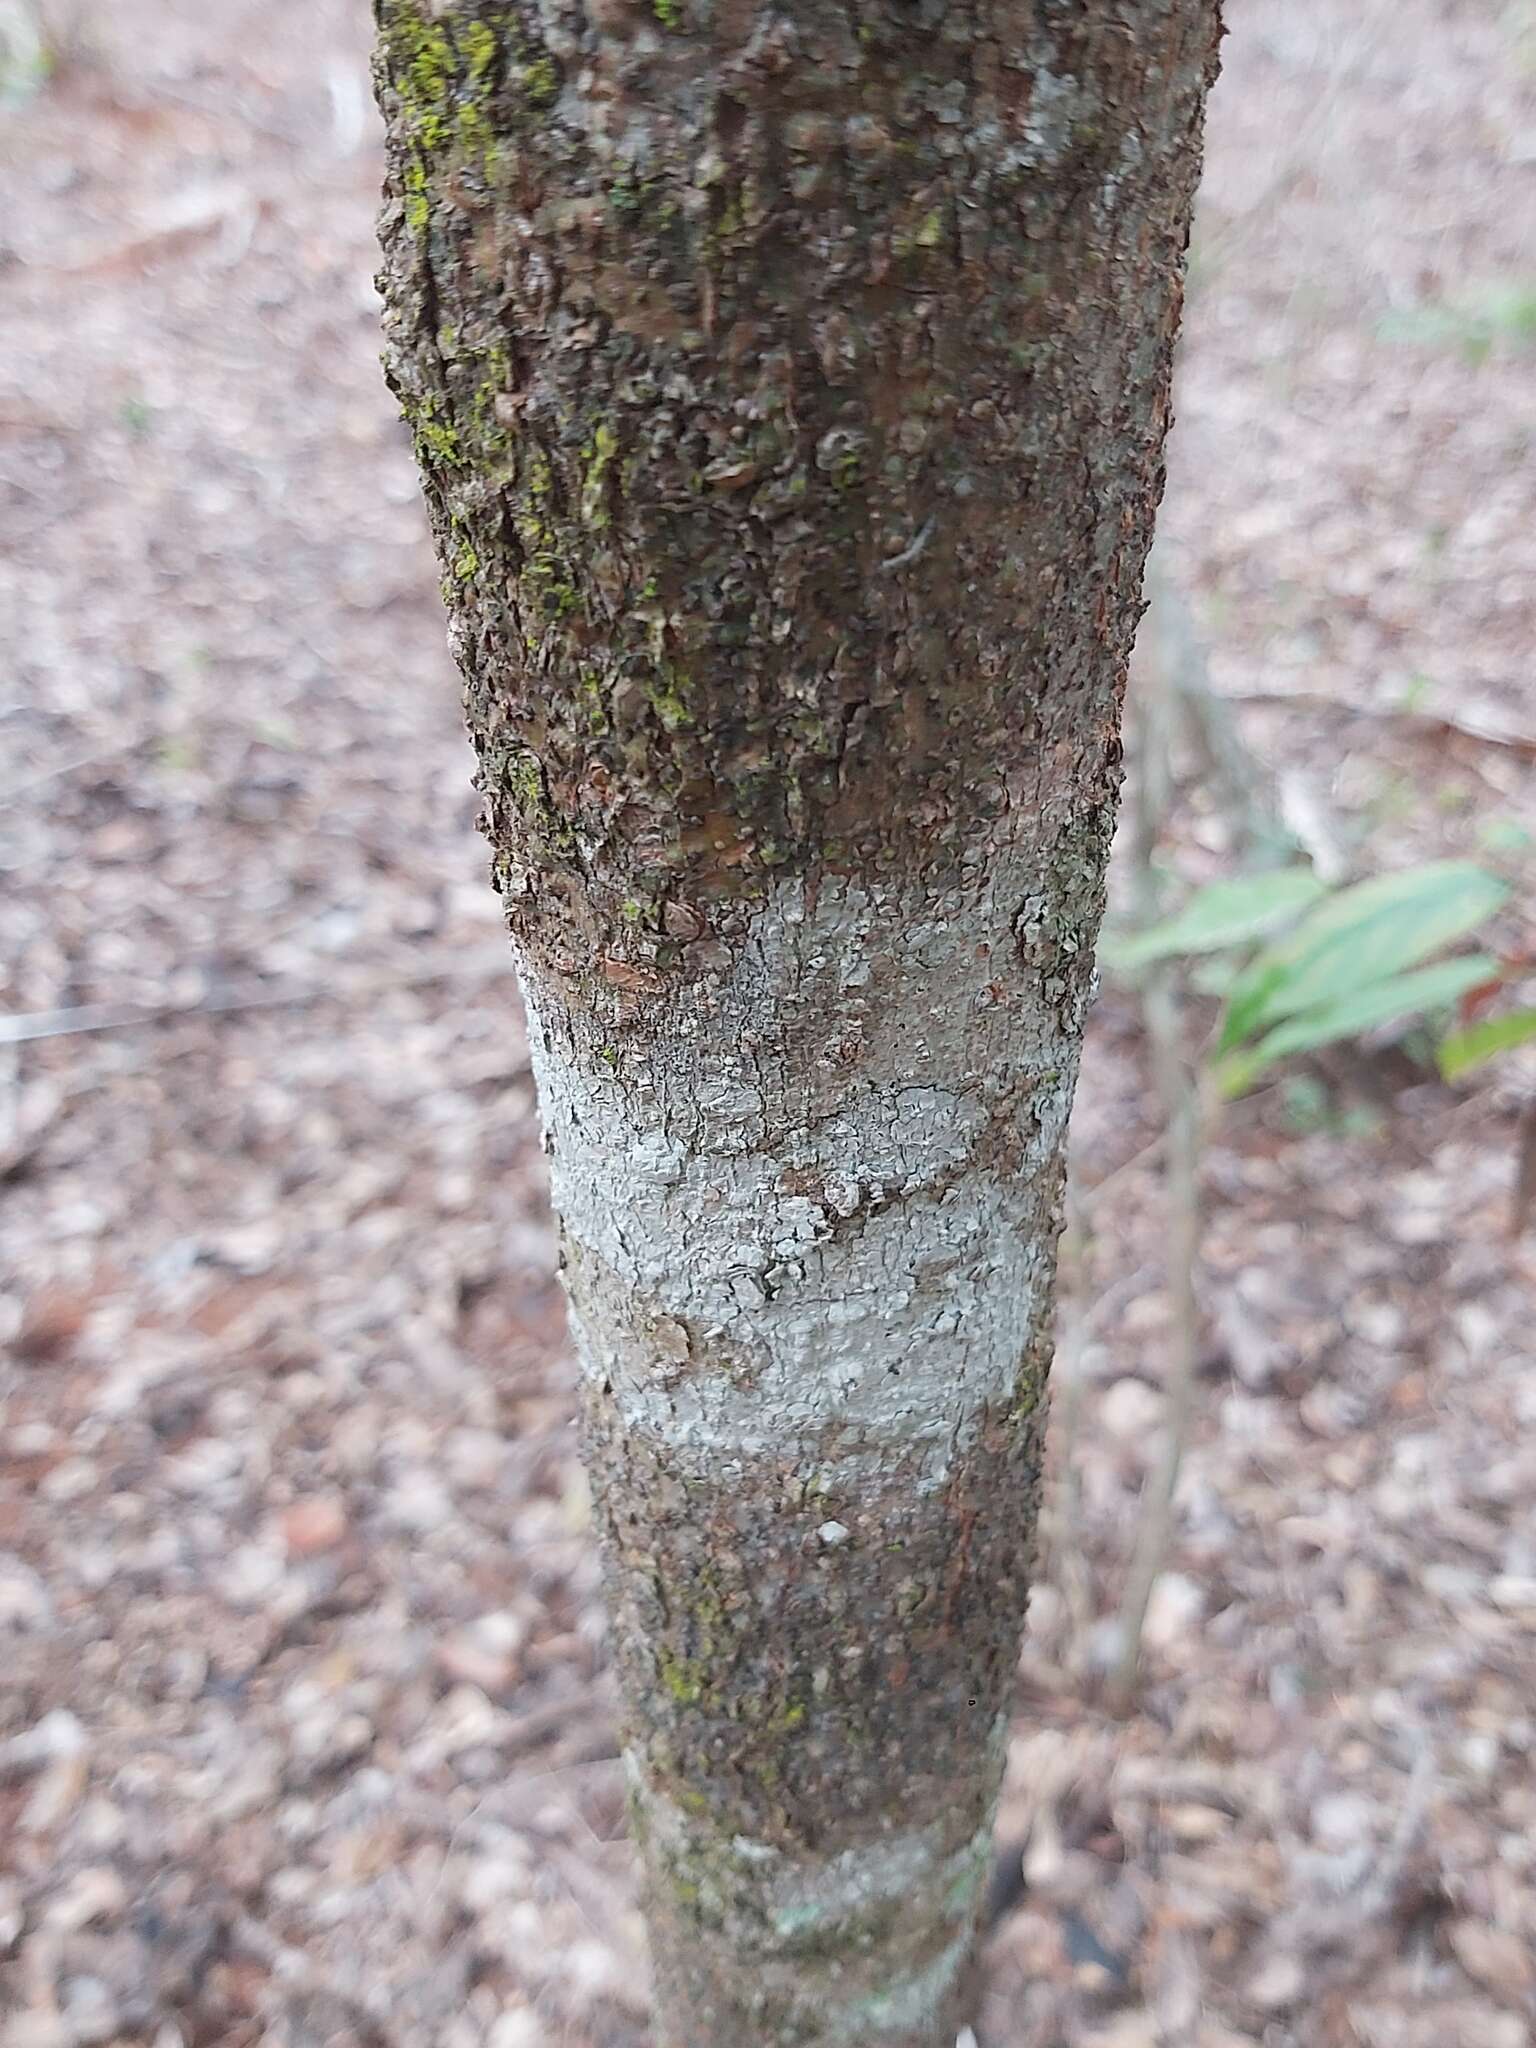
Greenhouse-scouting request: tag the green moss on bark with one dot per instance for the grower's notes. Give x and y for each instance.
(861, 528)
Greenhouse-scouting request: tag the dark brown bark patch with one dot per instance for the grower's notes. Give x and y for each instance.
(801, 1647)
(790, 389)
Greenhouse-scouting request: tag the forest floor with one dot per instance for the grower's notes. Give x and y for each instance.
(304, 1733)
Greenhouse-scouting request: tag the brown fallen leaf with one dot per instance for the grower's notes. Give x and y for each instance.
(53, 1318)
(311, 1527)
(1494, 1958)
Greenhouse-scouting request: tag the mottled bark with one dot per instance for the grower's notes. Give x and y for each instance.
(789, 385)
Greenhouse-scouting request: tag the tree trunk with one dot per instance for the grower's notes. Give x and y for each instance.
(790, 385)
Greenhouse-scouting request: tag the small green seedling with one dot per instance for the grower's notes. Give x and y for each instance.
(1485, 1040)
(1334, 962)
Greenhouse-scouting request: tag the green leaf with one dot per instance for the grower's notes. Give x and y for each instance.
(1246, 1005)
(1359, 937)
(1346, 1016)
(1464, 1050)
(1225, 914)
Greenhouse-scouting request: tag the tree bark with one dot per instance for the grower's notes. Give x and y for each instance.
(789, 385)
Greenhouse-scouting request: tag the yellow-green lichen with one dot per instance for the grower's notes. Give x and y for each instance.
(522, 776)
(550, 585)
(422, 64)
(478, 42)
(926, 233)
(731, 218)
(418, 204)
(477, 140)
(541, 82)
(590, 685)
(443, 82)
(490, 436)
(628, 195)
(525, 779)
(435, 434)
(664, 693)
(598, 456)
(682, 1678)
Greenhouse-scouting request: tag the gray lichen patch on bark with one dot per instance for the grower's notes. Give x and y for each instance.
(829, 1209)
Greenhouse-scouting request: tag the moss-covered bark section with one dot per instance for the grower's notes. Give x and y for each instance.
(827, 1672)
(875, 1624)
(790, 387)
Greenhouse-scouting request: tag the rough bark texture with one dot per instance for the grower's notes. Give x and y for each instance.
(790, 385)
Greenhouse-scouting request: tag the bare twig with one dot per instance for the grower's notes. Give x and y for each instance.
(91, 1017)
(1089, 1198)
(913, 549)
(1208, 723)
(1181, 1186)
(1437, 724)
(1275, 818)
(205, 721)
(110, 750)
(1525, 1174)
(1061, 1520)
(1181, 1107)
